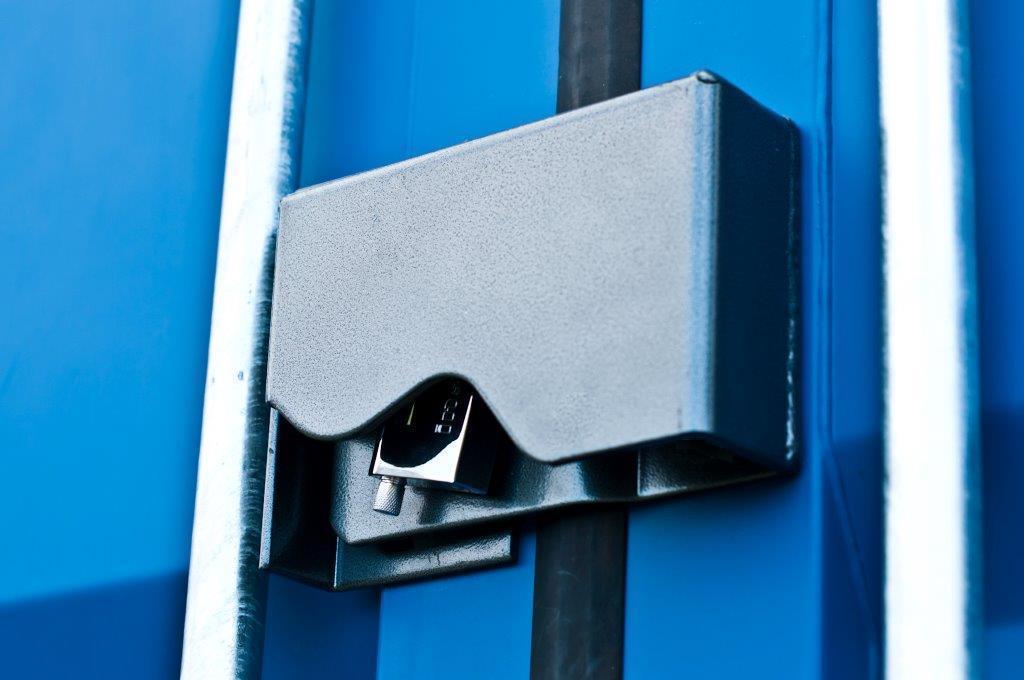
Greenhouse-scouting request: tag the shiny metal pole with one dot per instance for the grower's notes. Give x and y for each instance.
(225, 610)
(933, 530)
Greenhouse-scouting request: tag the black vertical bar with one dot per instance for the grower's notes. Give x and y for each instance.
(580, 574)
(579, 596)
(598, 51)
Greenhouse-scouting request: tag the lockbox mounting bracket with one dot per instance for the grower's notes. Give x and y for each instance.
(618, 284)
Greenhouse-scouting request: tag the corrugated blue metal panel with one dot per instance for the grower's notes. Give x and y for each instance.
(776, 570)
(113, 118)
(767, 563)
(998, 84)
(108, 276)
(742, 566)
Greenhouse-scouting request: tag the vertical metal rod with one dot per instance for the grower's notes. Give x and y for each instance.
(225, 611)
(931, 430)
(579, 596)
(580, 573)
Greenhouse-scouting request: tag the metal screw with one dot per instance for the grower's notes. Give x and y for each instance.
(390, 493)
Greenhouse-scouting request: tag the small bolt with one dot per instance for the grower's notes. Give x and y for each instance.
(390, 493)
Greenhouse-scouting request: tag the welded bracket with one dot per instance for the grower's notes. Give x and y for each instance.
(618, 280)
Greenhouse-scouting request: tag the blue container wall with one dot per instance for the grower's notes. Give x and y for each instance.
(998, 88)
(784, 569)
(119, 111)
(113, 119)
(791, 567)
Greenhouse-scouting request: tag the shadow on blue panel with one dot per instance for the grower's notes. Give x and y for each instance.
(1003, 473)
(852, 567)
(113, 120)
(131, 630)
(998, 93)
(313, 634)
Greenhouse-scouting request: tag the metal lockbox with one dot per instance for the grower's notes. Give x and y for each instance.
(617, 278)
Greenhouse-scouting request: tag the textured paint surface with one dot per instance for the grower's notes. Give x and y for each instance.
(485, 260)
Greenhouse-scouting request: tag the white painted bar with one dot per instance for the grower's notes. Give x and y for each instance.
(226, 594)
(931, 413)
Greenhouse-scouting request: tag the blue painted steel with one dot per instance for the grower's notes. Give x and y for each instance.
(998, 92)
(470, 626)
(396, 79)
(786, 571)
(112, 129)
(315, 634)
(112, 124)
(113, 118)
